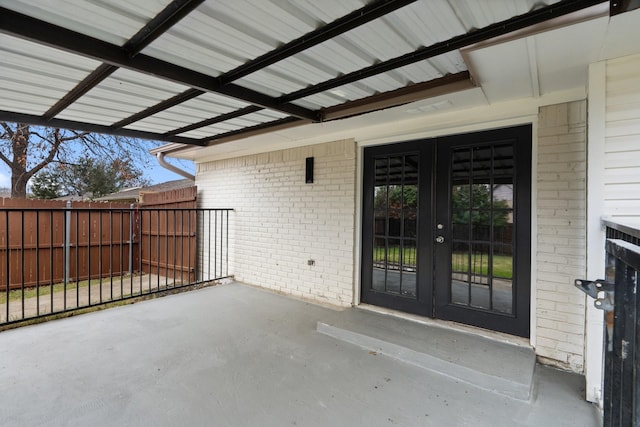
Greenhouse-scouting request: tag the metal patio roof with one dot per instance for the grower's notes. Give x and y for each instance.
(204, 72)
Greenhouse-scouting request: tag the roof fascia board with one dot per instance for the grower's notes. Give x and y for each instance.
(415, 92)
(583, 15)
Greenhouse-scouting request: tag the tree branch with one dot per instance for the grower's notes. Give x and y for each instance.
(7, 129)
(52, 153)
(5, 159)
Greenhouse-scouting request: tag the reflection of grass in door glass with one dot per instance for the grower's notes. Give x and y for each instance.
(502, 265)
(393, 256)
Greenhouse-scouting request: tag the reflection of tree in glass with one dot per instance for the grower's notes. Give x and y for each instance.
(480, 195)
(399, 197)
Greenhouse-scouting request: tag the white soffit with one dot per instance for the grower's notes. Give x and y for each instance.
(623, 35)
(539, 64)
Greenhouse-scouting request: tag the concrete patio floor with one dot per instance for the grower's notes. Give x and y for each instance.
(233, 355)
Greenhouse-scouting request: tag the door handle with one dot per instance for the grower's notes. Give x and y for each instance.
(440, 239)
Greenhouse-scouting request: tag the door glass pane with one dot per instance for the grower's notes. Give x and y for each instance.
(461, 166)
(460, 271)
(394, 272)
(480, 278)
(482, 195)
(410, 196)
(409, 267)
(502, 281)
(395, 225)
(503, 162)
(481, 161)
(379, 264)
(503, 196)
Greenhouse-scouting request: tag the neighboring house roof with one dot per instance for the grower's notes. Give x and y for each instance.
(133, 194)
(73, 198)
(227, 70)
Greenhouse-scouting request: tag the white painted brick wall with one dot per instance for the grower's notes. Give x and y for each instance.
(280, 222)
(561, 215)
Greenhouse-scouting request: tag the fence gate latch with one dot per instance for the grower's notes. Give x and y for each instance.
(603, 293)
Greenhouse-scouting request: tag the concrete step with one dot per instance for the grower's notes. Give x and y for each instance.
(495, 366)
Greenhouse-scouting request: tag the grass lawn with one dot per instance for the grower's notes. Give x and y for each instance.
(502, 265)
(44, 290)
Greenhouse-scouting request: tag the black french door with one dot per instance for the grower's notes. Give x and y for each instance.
(446, 228)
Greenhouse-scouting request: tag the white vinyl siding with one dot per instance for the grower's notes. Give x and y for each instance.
(622, 140)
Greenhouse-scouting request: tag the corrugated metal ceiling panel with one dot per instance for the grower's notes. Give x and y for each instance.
(203, 107)
(397, 33)
(114, 21)
(221, 35)
(434, 68)
(41, 73)
(122, 94)
(252, 119)
(477, 14)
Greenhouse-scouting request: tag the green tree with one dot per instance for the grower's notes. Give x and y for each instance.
(405, 196)
(27, 150)
(46, 185)
(473, 203)
(88, 178)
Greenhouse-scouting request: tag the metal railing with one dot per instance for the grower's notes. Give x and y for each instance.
(618, 296)
(54, 261)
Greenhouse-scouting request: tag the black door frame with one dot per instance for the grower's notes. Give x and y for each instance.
(517, 323)
(432, 300)
(423, 303)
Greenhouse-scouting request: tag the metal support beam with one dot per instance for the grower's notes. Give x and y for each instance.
(558, 9)
(28, 28)
(161, 106)
(262, 128)
(216, 119)
(10, 116)
(411, 93)
(167, 18)
(92, 80)
(171, 14)
(341, 25)
(617, 7)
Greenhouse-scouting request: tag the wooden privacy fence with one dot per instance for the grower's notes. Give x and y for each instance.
(168, 225)
(46, 242)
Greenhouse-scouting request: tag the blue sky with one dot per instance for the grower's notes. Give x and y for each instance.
(155, 173)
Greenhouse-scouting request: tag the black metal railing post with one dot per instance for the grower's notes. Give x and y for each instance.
(29, 282)
(620, 300)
